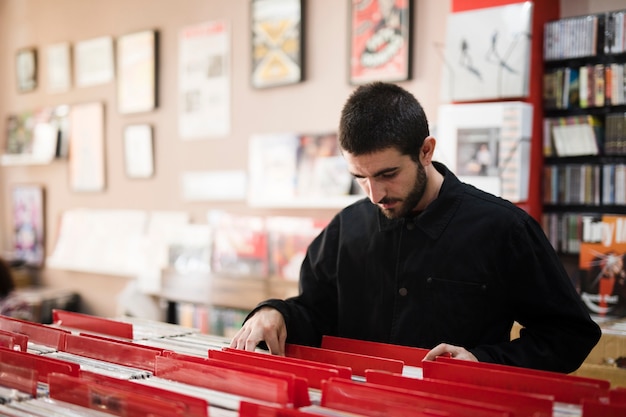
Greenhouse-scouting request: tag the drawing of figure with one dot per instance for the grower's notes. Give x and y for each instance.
(466, 59)
(494, 56)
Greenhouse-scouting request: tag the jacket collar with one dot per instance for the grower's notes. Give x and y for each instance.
(438, 214)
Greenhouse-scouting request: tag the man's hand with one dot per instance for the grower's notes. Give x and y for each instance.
(266, 325)
(456, 352)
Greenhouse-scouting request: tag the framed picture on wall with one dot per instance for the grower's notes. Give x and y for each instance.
(58, 67)
(136, 72)
(26, 69)
(380, 40)
(28, 223)
(87, 158)
(138, 153)
(93, 61)
(277, 42)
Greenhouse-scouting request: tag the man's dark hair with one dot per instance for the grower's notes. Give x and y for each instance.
(380, 115)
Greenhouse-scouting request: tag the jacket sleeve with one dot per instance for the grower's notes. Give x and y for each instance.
(558, 332)
(313, 312)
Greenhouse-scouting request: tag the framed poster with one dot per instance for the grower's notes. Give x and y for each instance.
(26, 69)
(277, 42)
(94, 61)
(58, 60)
(138, 153)
(380, 40)
(28, 223)
(87, 170)
(204, 86)
(136, 72)
(487, 53)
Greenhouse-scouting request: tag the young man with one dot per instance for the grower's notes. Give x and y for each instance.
(426, 260)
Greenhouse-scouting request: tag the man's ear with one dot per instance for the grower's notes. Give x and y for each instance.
(427, 150)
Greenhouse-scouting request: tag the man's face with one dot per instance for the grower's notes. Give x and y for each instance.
(392, 181)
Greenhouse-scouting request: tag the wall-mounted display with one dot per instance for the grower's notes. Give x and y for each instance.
(488, 145)
(87, 162)
(26, 69)
(287, 168)
(58, 67)
(204, 80)
(138, 153)
(487, 53)
(36, 137)
(28, 223)
(380, 40)
(136, 72)
(277, 42)
(94, 61)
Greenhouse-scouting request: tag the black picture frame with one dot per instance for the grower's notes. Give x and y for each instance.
(380, 41)
(26, 69)
(277, 38)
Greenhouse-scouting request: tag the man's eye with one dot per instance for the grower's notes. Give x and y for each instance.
(389, 175)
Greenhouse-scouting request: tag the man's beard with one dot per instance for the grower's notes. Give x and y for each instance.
(410, 201)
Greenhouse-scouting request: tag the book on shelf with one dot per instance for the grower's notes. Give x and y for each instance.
(601, 264)
(558, 35)
(573, 135)
(615, 135)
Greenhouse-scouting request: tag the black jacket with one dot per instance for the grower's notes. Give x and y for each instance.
(461, 272)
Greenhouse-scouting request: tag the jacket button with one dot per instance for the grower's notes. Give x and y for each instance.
(403, 291)
(429, 281)
(410, 226)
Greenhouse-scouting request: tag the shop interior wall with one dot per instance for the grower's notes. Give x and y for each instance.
(310, 106)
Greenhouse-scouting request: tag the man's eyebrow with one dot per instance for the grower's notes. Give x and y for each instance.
(379, 173)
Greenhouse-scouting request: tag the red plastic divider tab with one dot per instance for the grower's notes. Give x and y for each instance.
(380, 400)
(313, 374)
(244, 384)
(571, 392)
(359, 363)
(36, 332)
(600, 383)
(595, 408)
(343, 371)
(43, 365)
(108, 350)
(158, 350)
(18, 340)
(617, 395)
(248, 409)
(193, 406)
(297, 387)
(19, 378)
(411, 356)
(7, 342)
(108, 399)
(91, 323)
(523, 404)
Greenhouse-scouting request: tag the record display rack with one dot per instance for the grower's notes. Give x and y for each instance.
(584, 135)
(79, 366)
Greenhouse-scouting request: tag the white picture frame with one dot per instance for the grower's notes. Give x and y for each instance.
(138, 151)
(58, 57)
(506, 129)
(487, 53)
(94, 61)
